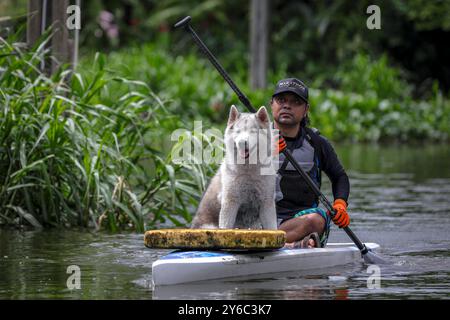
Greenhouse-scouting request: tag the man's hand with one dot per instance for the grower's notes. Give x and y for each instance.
(341, 219)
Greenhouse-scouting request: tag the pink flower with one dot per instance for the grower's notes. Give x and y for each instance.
(106, 22)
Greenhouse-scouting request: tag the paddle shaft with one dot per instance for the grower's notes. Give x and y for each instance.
(185, 24)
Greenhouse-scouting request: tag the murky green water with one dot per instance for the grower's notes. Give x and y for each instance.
(400, 199)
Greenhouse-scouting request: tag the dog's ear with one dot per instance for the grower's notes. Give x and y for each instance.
(234, 115)
(262, 115)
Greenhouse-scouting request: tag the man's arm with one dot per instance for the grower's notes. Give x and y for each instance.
(335, 171)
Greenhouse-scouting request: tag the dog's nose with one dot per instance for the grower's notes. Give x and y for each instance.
(243, 144)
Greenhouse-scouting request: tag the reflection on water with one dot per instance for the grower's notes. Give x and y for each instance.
(34, 265)
(400, 198)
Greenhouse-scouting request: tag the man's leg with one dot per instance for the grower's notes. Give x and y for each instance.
(304, 223)
(298, 228)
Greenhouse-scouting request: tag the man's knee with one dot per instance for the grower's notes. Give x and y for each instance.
(312, 222)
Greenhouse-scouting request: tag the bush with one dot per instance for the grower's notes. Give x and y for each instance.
(375, 103)
(86, 149)
(371, 100)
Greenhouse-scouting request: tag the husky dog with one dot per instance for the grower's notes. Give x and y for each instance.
(242, 193)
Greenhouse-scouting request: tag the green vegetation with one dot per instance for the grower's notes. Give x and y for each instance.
(78, 151)
(374, 103)
(92, 148)
(308, 38)
(371, 100)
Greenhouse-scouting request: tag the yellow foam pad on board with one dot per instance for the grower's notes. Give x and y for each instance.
(214, 239)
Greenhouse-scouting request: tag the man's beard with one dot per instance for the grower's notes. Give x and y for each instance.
(287, 121)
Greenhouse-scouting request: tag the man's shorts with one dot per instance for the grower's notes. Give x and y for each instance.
(322, 213)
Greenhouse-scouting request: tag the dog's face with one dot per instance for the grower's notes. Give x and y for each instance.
(246, 133)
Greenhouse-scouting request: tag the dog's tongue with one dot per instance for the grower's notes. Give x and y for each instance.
(244, 153)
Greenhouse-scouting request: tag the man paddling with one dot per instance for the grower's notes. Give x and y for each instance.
(298, 214)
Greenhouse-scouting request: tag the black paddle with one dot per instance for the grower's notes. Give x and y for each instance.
(368, 255)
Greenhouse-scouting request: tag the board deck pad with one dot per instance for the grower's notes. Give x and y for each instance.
(215, 239)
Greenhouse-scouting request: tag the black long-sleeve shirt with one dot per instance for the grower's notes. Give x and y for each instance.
(334, 170)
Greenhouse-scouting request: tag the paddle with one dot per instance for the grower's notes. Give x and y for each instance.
(369, 256)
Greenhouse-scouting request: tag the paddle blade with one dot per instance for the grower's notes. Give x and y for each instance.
(372, 258)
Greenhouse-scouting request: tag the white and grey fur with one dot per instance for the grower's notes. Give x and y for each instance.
(239, 195)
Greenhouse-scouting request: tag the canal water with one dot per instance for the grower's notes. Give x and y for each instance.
(400, 198)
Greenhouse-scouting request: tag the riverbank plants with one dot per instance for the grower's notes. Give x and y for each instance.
(368, 100)
(86, 150)
(92, 147)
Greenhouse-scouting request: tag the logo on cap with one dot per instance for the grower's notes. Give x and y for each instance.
(283, 84)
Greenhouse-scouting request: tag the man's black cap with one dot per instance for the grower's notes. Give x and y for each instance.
(292, 85)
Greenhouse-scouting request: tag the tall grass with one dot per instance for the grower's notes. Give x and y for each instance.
(77, 151)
